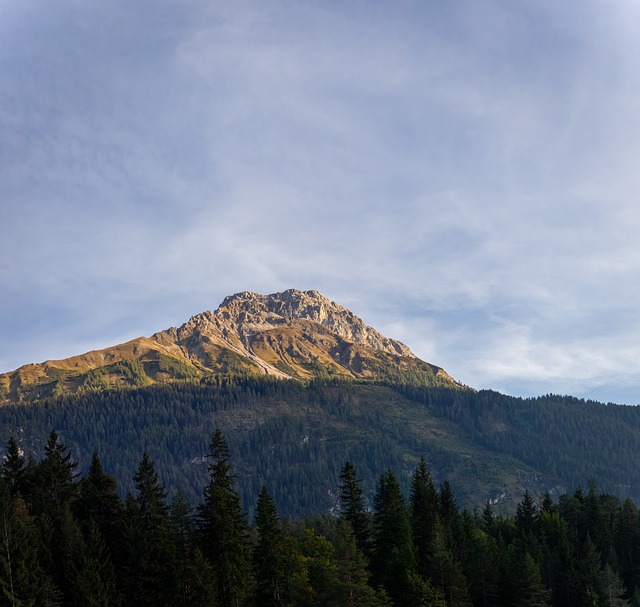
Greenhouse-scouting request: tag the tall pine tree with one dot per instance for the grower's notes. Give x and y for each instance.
(423, 502)
(352, 507)
(222, 529)
(268, 561)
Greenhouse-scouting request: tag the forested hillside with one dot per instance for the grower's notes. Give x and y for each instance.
(294, 437)
(72, 540)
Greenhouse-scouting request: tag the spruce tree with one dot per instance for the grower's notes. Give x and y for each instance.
(351, 588)
(13, 467)
(268, 566)
(527, 522)
(55, 477)
(98, 503)
(352, 507)
(531, 592)
(612, 589)
(21, 572)
(423, 502)
(182, 529)
(393, 561)
(222, 529)
(147, 560)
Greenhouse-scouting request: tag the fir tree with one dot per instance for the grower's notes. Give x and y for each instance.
(352, 507)
(268, 567)
(55, 477)
(182, 529)
(21, 572)
(98, 502)
(424, 516)
(393, 561)
(13, 467)
(222, 529)
(612, 589)
(147, 564)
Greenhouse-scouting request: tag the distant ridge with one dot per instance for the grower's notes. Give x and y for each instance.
(291, 335)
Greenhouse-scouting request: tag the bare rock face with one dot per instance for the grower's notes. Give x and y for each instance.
(257, 327)
(247, 313)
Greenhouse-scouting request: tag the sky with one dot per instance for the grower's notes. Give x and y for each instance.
(462, 175)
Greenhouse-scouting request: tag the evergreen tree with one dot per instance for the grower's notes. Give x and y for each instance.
(532, 591)
(595, 520)
(482, 570)
(487, 517)
(423, 502)
(322, 567)
(612, 589)
(182, 529)
(448, 505)
(98, 503)
(627, 545)
(147, 564)
(527, 522)
(448, 576)
(268, 567)
(83, 571)
(352, 507)
(547, 505)
(352, 588)
(202, 581)
(55, 477)
(13, 467)
(566, 578)
(393, 561)
(21, 573)
(222, 530)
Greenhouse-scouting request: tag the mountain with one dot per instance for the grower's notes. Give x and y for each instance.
(299, 384)
(289, 335)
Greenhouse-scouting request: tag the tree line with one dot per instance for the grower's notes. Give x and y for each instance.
(480, 441)
(70, 539)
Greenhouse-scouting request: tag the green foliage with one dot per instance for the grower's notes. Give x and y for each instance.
(90, 549)
(268, 553)
(486, 443)
(352, 507)
(129, 372)
(222, 529)
(95, 380)
(424, 516)
(146, 562)
(393, 560)
(176, 369)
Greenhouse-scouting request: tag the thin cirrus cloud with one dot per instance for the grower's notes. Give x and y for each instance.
(461, 175)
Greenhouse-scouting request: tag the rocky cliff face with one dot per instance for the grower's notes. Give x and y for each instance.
(245, 314)
(294, 334)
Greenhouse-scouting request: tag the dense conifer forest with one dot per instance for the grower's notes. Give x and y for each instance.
(294, 437)
(70, 539)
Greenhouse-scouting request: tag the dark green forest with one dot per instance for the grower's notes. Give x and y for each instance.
(294, 437)
(70, 539)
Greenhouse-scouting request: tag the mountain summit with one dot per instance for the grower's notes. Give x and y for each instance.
(291, 335)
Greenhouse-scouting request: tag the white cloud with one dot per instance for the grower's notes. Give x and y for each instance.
(464, 174)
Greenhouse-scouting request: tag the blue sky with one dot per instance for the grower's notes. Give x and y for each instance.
(462, 175)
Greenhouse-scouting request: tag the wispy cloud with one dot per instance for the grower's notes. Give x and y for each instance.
(463, 174)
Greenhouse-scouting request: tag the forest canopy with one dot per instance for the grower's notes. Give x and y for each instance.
(70, 539)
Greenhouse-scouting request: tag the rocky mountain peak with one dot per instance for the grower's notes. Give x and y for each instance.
(246, 313)
(294, 335)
